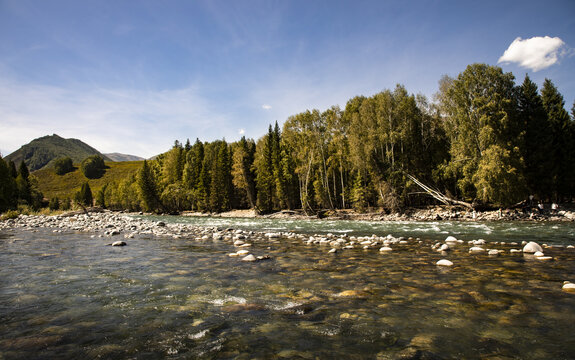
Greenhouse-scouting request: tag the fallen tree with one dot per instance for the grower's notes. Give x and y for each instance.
(438, 195)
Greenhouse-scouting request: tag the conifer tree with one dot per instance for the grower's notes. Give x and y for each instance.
(147, 187)
(23, 170)
(562, 170)
(538, 139)
(84, 196)
(265, 172)
(8, 190)
(12, 169)
(220, 185)
(242, 174)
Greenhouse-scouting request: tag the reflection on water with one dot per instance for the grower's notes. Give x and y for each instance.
(70, 296)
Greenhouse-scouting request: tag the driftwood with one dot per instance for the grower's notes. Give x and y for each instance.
(438, 195)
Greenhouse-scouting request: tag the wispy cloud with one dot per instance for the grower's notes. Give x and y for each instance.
(266, 107)
(536, 53)
(138, 122)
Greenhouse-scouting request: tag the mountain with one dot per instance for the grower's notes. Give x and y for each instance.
(39, 153)
(123, 157)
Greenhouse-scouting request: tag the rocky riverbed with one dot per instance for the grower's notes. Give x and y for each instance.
(230, 292)
(118, 225)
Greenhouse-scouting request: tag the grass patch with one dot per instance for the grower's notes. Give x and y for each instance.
(67, 185)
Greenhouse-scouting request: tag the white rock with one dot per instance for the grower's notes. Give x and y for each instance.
(118, 243)
(233, 254)
(539, 254)
(444, 247)
(249, 258)
(477, 250)
(514, 251)
(450, 239)
(544, 258)
(532, 247)
(242, 252)
(385, 249)
(238, 243)
(568, 287)
(444, 262)
(332, 251)
(493, 252)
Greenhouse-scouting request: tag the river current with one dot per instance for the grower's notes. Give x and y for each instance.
(65, 295)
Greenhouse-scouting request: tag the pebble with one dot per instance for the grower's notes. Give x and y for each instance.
(249, 258)
(568, 287)
(444, 262)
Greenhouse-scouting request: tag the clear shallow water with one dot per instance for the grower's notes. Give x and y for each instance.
(67, 295)
(550, 233)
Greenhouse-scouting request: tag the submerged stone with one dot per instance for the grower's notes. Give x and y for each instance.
(568, 287)
(532, 247)
(444, 262)
(249, 258)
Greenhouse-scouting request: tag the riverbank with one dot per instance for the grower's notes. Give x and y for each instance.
(436, 213)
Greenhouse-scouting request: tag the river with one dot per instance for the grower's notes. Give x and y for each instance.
(65, 295)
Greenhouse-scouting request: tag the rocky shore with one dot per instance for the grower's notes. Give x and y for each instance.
(113, 225)
(436, 213)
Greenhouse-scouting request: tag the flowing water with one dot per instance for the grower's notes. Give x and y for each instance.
(68, 296)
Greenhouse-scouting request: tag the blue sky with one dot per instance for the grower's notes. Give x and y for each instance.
(133, 76)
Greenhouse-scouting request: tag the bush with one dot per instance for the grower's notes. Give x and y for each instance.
(54, 204)
(63, 166)
(10, 214)
(93, 167)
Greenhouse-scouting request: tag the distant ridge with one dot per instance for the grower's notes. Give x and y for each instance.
(39, 153)
(123, 157)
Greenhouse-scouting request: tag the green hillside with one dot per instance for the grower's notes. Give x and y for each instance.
(39, 153)
(65, 186)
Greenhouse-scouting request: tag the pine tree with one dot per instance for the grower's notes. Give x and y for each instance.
(265, 173)
(562, 171)
(84, 196)
(23, 170)
(8, 190)
(537, 140)
(242, 174)
(12, 169)
(147, 188)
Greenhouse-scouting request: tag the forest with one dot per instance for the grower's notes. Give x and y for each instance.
(483, 140)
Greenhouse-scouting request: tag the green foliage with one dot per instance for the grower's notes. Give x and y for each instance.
(65, 186)
(147, 187)
(8, 188)
(484, 139)
(63, 165)
(93, 167)
(562, 143)
(54, 204)
(10, 214)
(481, 113)
(101, 197)
(84, 196)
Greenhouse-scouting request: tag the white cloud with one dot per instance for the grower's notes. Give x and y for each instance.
(266, 107)
(536, 53)
(242, 131)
